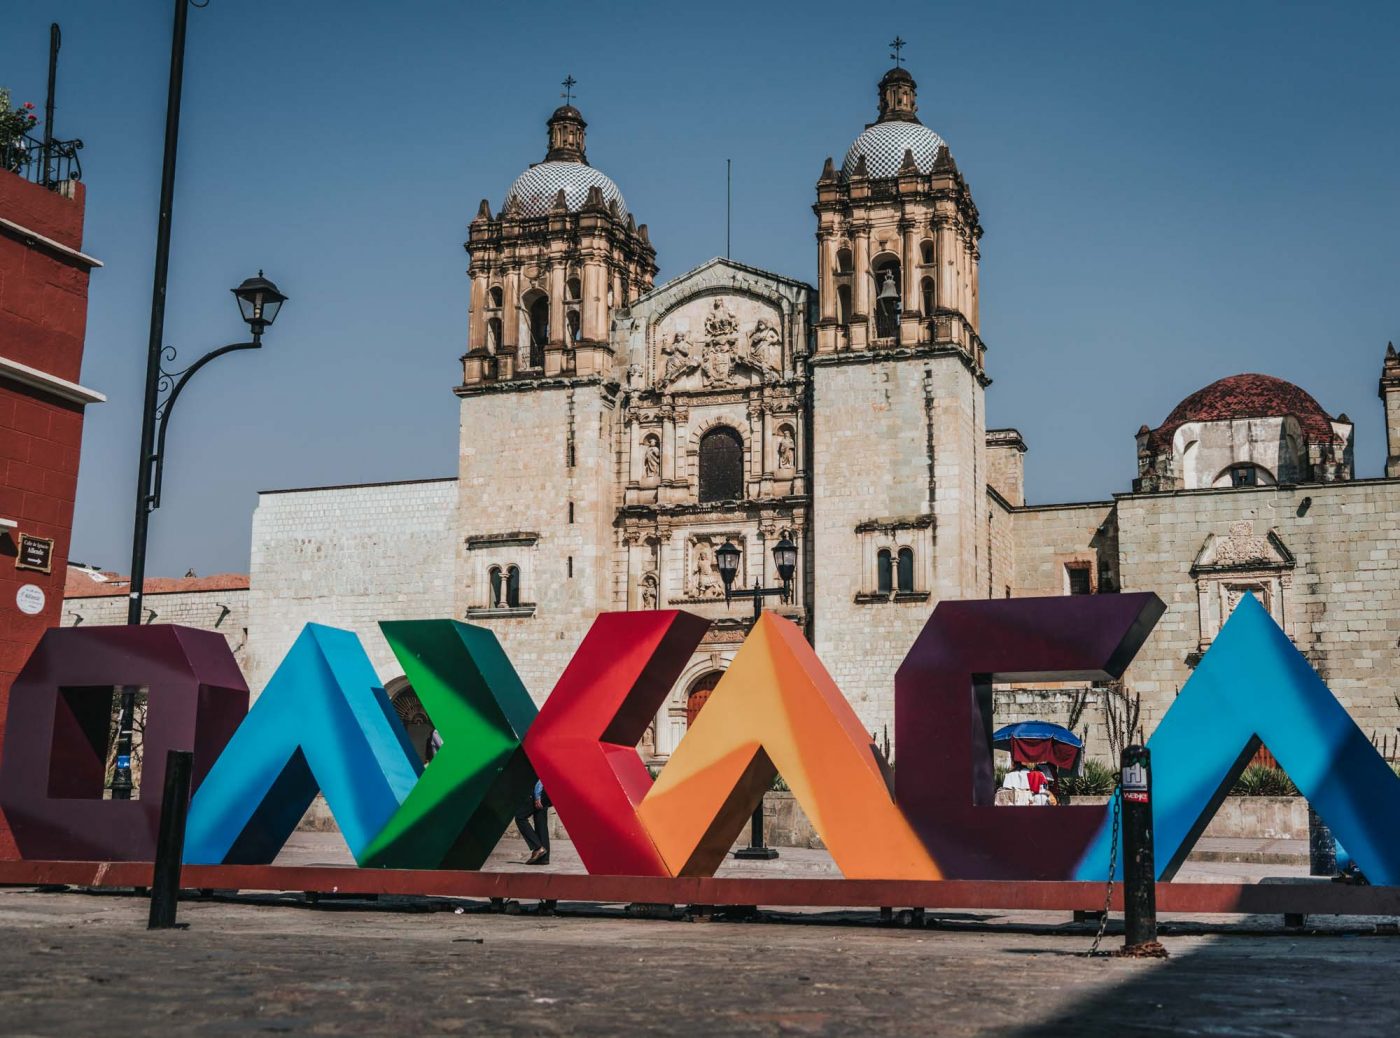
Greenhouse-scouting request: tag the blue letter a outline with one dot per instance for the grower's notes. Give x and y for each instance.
(322, 723)
(1252, 686)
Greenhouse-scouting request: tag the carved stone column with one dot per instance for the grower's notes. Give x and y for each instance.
(510, 311)
(947, 240)
(860, 319)
(826, 277)
(909, 318)
(557, 331)
(476, 320)
(862, 275)
(594, 328)
(757, 444)
(668, 444)
(635, 466)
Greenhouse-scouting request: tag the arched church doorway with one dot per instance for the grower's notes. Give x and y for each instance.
(700, 692)
(410, 710)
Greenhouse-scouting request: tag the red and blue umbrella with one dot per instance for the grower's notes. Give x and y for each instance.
(1039, 742)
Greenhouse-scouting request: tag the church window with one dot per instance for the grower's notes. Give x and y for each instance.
(512, 587)
(906, 569)
(884, 572)
(926, 292)
(1244, 476)
(573, 325)
(926, 251)
(843, 261)
(539, 329)
(574, 290)
(493, 335)
(497, 586)
(571, 511)
(496, 296)
(843, 304)
(721, 465)
(571, 567)
(1077, 579)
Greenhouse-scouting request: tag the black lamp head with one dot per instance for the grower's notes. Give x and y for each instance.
(259, 300)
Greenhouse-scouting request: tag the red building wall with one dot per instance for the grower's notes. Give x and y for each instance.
(43, 321)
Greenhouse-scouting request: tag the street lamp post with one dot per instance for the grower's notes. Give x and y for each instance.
(727, 557)
(259, 301)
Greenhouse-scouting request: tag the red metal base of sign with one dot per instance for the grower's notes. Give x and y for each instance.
(1300, 898)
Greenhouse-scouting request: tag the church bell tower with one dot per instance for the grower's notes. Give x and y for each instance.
(548, 271)
(899, 474)
(537, 472)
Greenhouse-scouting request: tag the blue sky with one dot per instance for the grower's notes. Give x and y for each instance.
(1171, 193)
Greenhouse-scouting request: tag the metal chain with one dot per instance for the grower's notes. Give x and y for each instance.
(1112, 866)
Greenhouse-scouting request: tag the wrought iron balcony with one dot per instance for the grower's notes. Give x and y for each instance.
(48, 163)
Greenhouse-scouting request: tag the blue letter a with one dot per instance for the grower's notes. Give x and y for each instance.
(1253, 685)
(323, 722)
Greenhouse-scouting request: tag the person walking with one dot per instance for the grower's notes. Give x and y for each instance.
(533, 822)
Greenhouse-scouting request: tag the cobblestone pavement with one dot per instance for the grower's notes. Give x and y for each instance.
(73, 963)
(84, 964)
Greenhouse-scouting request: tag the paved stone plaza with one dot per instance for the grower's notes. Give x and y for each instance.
(76, 962)
(79, 964)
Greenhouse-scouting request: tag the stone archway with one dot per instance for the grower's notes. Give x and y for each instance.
(698, 693)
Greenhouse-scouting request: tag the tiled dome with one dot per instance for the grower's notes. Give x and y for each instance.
(538, 186)
(1248, 396)
(883, 145)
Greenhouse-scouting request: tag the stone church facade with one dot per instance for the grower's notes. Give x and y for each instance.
(648, 425)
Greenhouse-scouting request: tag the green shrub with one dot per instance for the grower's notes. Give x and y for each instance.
(1260, 780)
(1096, 780)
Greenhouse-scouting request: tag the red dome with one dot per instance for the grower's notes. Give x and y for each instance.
(1248, 396)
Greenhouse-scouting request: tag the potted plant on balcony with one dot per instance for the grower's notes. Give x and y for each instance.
(14, 125)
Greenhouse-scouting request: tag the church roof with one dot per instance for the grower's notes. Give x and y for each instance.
(1248, 396)
(537, 188)
(883, 145)
(737, 270)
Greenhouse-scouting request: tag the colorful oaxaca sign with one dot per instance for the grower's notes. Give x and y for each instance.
(324, 724)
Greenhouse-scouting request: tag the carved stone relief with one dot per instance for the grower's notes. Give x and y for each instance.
(1237, 563)
(702, 573)
(725, 348)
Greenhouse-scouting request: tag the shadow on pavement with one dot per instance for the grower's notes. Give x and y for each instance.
(1240, 985)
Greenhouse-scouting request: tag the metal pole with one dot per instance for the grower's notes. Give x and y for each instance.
(55, 41)
(1139, 870)
(756, 850)
(121, 777)
(728, 201)
(170, 842)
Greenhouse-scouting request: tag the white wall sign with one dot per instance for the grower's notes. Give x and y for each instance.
(30, 599)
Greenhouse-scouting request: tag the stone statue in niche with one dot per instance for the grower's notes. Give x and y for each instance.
(766, 347)
(648, 591)
(707, 581)
(787, 450)
(651, 457)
